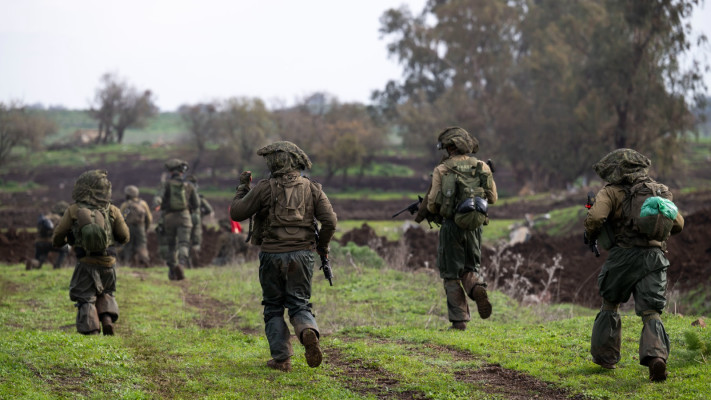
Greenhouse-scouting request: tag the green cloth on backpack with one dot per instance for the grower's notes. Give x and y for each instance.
(659, 205)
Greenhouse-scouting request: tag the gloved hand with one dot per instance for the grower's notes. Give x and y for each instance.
(245, 178)
(322, 252)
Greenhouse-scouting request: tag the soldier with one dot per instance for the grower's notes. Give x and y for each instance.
(138, 218)
(231, 245)
(286, 208)
(459, 249)
(43, 245)
(636, 265)
(175, 198)
(204, 210)
(92, 224)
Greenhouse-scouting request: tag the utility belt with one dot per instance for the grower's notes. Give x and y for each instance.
(81, 253)
(175, 211)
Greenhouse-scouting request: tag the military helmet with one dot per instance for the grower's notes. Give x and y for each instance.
(192, 179)
(131, 191)
(93, 187)
(176, 164)
(283, 157)
(60, 207)
(459, 138)
(623, 166)
(226, 224)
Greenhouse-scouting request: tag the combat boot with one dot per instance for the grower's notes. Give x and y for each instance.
(107, 326)
(481, 299)
(179, 272)
(657, 370)
(459, 326)
(313, 351)
(280, 365)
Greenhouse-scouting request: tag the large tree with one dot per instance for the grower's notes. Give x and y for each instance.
(549, 86)
(202, 121)
(117, 106)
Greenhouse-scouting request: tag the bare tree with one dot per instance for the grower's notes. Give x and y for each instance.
(20, 126)
(202, 120)
(118, 106)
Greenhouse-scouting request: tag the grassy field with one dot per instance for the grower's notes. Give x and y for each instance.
(384, 336)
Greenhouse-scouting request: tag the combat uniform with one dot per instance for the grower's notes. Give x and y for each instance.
(229, 245)
(636, 266)
(286, 207)
(175, 223)
(43, 244)
(94, 280)
(204, 209)
(138, 218)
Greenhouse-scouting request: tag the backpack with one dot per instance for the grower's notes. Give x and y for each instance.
(136, 213)
(291, 216)
(462, 195)
(45, 227)
(93, 229)
(177, 196)
(639, 215)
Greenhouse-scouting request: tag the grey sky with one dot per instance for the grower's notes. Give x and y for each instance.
(54, 51)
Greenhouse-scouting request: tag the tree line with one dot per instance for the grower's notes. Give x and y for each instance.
(547, 87)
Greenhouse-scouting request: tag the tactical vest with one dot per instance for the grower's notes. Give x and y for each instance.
(291, 213)
(462, 180)
(93, 228)
(136, 212)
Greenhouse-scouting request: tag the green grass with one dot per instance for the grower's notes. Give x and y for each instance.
(14, 187)
(384, 333)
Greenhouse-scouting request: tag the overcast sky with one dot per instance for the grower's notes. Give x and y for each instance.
(54, 51)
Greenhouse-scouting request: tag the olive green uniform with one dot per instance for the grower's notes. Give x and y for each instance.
(139, 220)
(286, 258)
(175, 226)
(635, 265)
(43, 246)
(459, 250)
(94, 279)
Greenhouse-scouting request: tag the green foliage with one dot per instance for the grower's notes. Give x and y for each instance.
(12, 186)
(695, 342)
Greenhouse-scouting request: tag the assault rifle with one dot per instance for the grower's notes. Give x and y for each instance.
(325, 263)
(591, 243)
(412, 208)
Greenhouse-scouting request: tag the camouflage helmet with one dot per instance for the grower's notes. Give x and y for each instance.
(93, 188)
(60, 207)
(459, 138)
(192, 179)
(131, 191)
(226, 224)
(176, 164)
(283, 157)
(623, 166)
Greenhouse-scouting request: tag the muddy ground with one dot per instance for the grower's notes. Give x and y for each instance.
(689, 252)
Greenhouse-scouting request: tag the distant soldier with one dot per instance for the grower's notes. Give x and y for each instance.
(636, 264)
(92, 224)
(461, 189)
(286, 208)
(175, 198)
(138, 218)
(43, 246)
(204, 210)
(231, 246)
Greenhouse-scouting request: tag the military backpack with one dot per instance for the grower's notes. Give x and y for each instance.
(177, 196)
(462, 196)
(641, 211)
(291, 215)
(93, 229)
(136, 213)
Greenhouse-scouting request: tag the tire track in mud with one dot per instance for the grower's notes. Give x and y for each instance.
(489, 378)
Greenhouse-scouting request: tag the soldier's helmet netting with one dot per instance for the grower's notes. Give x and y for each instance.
(60, 207)
(131, 191)
(623, 166)
(93, 188)
(459, 138)
(283, 157)
(176, 164)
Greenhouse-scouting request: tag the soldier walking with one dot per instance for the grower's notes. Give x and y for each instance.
(460, 180)
(175, 198)
(91, 224)
(204, 210)
(138, 218)
(285, 208)
(636, 264)
(43, 245)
